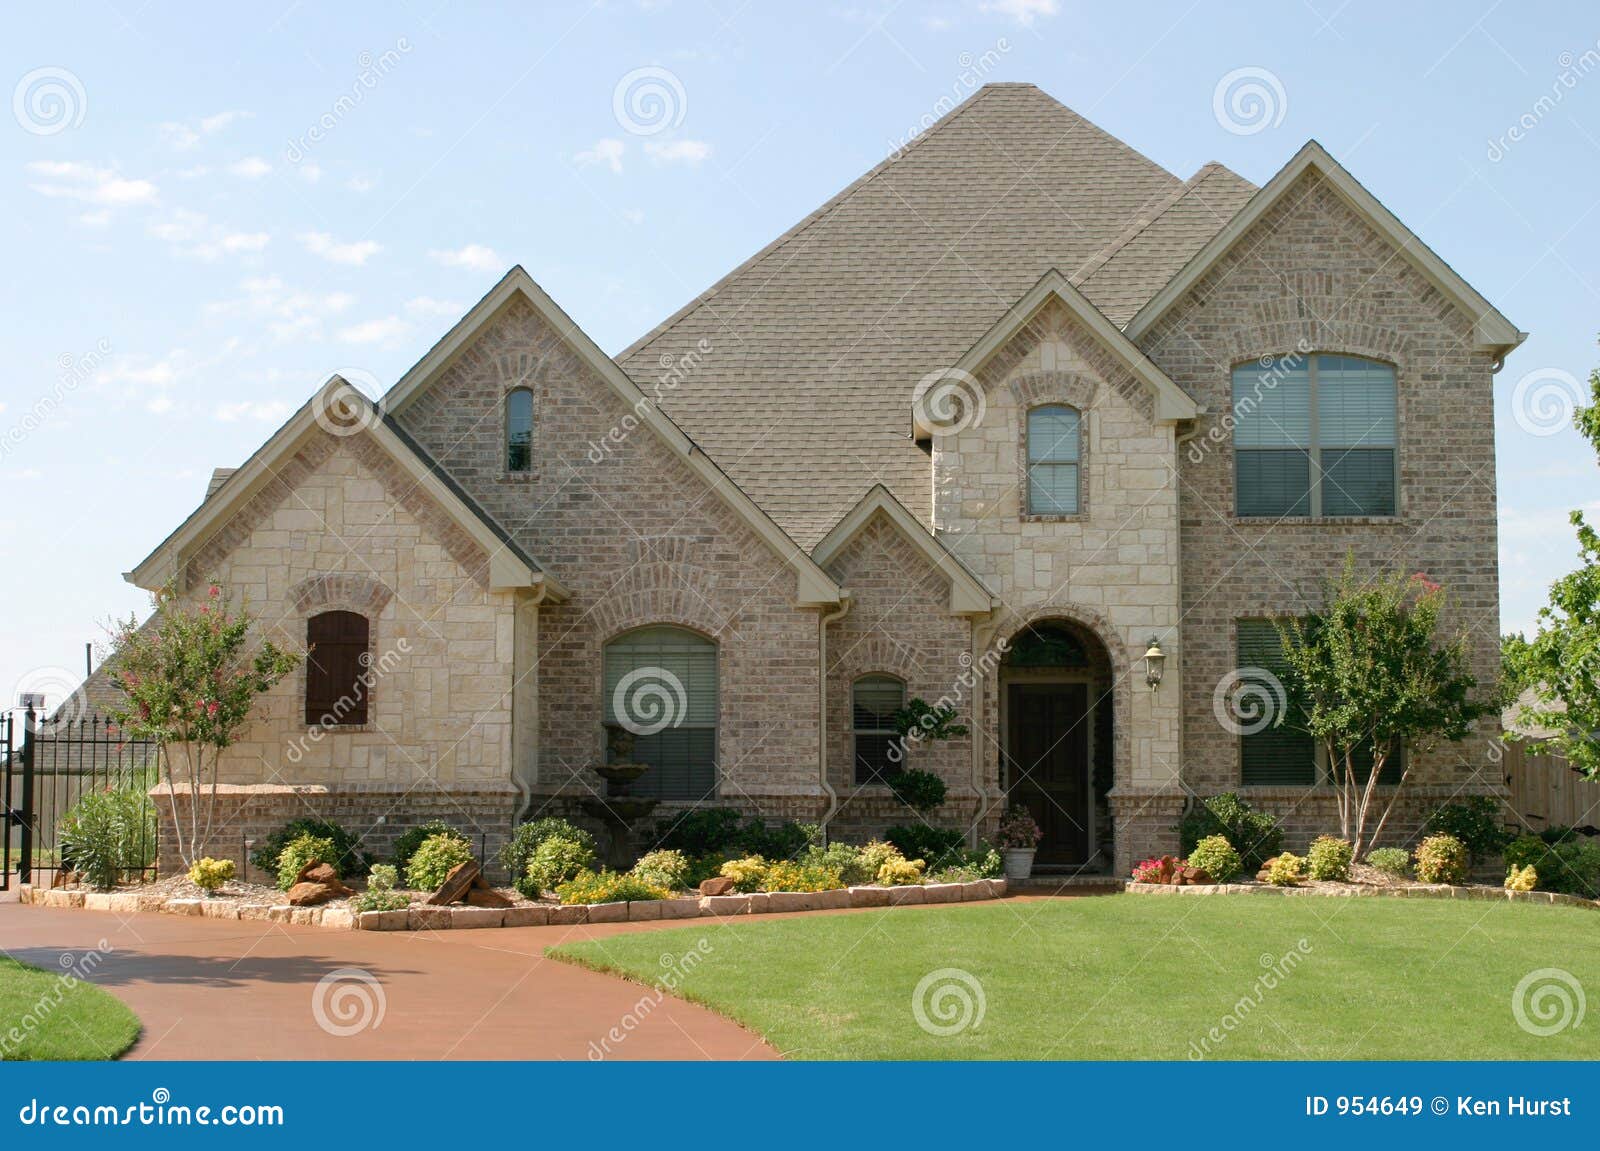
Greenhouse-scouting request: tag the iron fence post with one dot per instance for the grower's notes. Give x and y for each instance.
(25, 860)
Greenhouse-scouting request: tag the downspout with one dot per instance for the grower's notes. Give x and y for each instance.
(517, 778)
(822, 709)
(973, 834)
(1178, 441)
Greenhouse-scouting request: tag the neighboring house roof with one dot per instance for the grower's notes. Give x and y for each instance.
(818, 341)
(814, 586)
(510, 566)
(1522, 722)
(968, 594)
(1492, 332)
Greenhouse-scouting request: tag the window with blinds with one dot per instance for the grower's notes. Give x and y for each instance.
(336, 658)
(1054, 435)
(1282, 753)
(873, 701)
(1314, 436)
(661, 683)
(519, 430)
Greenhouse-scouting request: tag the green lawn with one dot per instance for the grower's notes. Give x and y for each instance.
(1138, 977)
(41, 1017)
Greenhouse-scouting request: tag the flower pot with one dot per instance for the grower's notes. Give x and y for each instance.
(1018, 861)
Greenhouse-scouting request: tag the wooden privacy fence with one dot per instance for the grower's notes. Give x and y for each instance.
(1545, 791)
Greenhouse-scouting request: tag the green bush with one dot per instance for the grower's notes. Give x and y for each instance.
(747, 873)
(1441, 859)
(298, 852)
(703, 832)
(845, 858)
(107, 833)
(901, 873)
(608, 887)
(1285, 870)
(554, 862)
(1395, 861)
(1255, 835)
(407, 844)
(380, 894)
(525, 840)
(1330, 858)
(967, 866)
(351, 859)
(786, 876)
(1215, 856)
(779, 841)
(434, 859)
(665, 868)
(919, 790)
(1476, 821)
(702, 868)
(934, 845)
(1569, 867)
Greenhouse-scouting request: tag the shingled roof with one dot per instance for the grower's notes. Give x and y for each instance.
(818, 341)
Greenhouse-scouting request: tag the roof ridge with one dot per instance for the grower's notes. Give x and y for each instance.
(837, 200)
(1163, 203)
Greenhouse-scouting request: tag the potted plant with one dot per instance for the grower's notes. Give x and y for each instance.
(1018, 838)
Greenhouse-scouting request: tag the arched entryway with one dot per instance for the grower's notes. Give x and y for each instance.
(1056, 691)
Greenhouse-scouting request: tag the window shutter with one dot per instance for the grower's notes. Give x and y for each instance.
(1284, 754)
(335, 664)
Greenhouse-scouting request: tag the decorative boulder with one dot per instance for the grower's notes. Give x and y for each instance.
(463, 878)
(717, 885)
(316, 883)
(487, 897)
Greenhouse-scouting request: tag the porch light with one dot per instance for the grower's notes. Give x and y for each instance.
(1155, 661)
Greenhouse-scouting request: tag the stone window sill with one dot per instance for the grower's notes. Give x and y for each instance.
(1032, 518)
(1318, 521)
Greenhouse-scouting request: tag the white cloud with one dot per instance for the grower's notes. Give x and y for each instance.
(1024, 12)
(428, 306)
(158, 405)
(633, 215)
(187, 135)
(266, 411)
(605, 151)
(251, 167)
(288, 314)
(474, 256)
(324, 245)
(310, 172)
(689, 152)
(360, 184)
(245, 241)
(375, 331)
(89, 184)
(193, 236)
(221, 120)
(98, 219)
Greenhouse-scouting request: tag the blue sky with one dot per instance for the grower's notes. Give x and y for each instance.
(186, 260)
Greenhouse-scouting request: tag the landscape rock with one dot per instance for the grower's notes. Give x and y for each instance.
(310, 894)
(464, 917)
(725, 904)
(717, 885)
(644, 910)
(383, 920)
(535, 916)
(569, 914)
(868, 896)
(608, 912)
(686, 908)
(487, 897)
(462, 878)
(428, 918)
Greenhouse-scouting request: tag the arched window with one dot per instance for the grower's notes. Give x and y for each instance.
(1314, 436)
(1053, 444)
(519, 430)
(873, 701)
(661, 689)
(336, 692)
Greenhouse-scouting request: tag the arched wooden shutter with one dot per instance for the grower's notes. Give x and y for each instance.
(334, 666)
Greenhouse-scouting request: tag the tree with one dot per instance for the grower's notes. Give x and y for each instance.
(190, 679)
(1367, 675)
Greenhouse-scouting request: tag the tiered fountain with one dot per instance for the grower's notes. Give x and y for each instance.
(620, 810)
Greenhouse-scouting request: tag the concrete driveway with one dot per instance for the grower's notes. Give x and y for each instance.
(214, 989)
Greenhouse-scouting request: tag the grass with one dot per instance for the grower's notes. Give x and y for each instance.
(48, 1015)
(1136, 977)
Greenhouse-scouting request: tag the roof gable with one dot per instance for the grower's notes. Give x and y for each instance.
(1492, 332)
(813, 585)
(968, 595)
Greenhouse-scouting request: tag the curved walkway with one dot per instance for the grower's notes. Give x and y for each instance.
(213, 989)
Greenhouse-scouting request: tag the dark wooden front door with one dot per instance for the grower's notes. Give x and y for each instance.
(1048, 733)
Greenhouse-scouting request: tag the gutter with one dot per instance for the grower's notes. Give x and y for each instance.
(822, 709)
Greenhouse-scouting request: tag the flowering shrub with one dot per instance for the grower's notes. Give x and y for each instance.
(1215, 856)
(1441, 859)
(665, 868)
(900, 873)
(1286, 870)
(298, 852)
(1018, 831)
(800, 877)
(747, 873)
(608, 887)
(1522, 878)
(433, 861)
(210, 874)
(554, 862)
(1158, 870)
(1329, 859)
(1391, 861)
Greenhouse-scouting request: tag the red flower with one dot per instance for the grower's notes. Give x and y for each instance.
(214, 591)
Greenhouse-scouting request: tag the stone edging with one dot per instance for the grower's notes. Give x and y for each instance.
(424, 918)
(1410, 891)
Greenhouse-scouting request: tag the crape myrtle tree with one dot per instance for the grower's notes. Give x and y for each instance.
(1368, 674)
(190, 679)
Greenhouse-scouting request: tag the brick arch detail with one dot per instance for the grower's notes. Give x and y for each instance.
(348, 591)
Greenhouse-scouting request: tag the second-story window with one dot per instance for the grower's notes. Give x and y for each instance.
(1053, 441)
(519, 430)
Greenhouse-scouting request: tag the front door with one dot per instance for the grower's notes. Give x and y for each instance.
(1048, 734)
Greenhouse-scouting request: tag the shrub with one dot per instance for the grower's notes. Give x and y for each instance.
(665, 868)
(786, 876)
(380, 894)
(901, 873)
(919, 790)
(1525, 851)
(1395, 861)
(1285, 870)
(1159, 869)
(527, 837)
(1215, 856)
(845, 858)
(434, 859)
(1329, 859)
(210, 874)
(780, 841)
(747, 873)
(1018, 831)
(554, 862)
(1569, 867)
(1476, 822)
(109, 832)
(874, 854)
(1441, 859)
(704, 867)
(1521, 879)
(934, 844)
(608, 887)
(298, 852)
(350, 858)
(966, 866)
(703, 832)
(407, 844)
(1558, 833)
(1255, 835)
